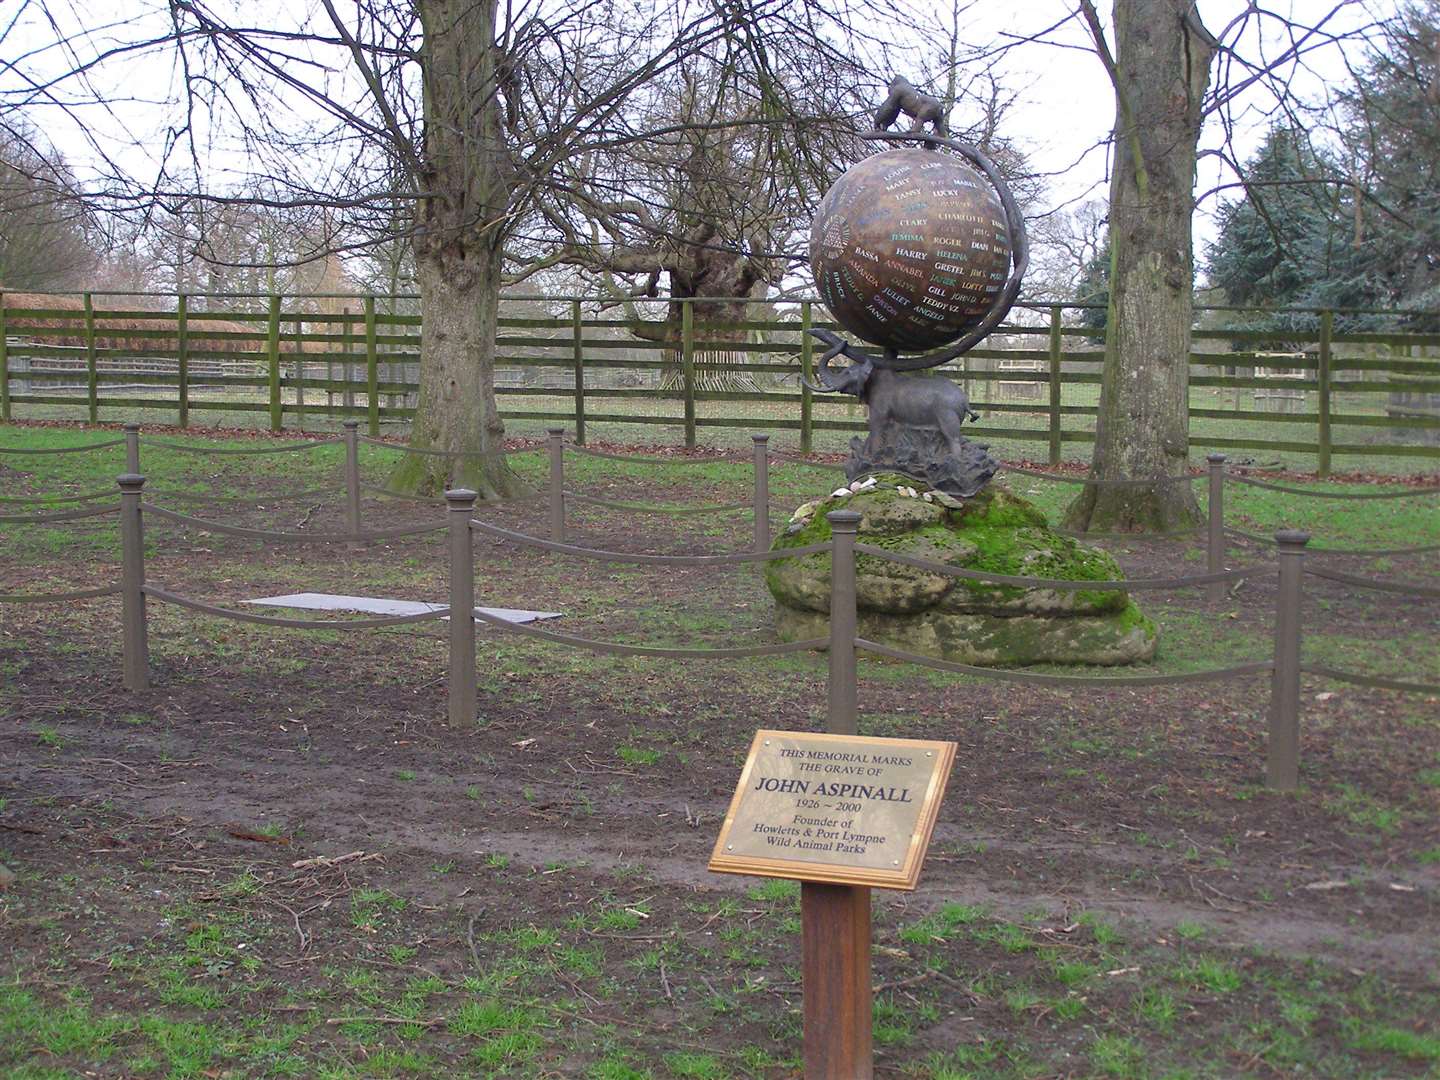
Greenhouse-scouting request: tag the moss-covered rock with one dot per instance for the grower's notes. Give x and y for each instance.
(970, 622)
(1122, 637)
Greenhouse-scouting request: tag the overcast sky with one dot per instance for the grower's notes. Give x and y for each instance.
(1065, 113)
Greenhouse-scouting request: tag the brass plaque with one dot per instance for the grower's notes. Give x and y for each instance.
(844, 809)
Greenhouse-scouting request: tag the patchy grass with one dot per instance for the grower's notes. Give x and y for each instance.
(280, 861)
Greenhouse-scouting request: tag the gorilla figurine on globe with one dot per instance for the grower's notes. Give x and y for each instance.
(913, 249)
(921, 108)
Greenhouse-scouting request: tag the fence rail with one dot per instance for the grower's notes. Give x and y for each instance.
(366, 363)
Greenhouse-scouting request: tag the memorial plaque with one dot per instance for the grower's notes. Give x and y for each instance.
(843, 809)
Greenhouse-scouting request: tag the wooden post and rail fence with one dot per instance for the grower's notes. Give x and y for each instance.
(200, 357)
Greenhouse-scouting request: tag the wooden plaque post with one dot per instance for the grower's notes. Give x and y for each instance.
(841, 814)
(835, 919)
(835, 966)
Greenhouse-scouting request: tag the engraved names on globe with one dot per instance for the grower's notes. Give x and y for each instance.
(910, 248)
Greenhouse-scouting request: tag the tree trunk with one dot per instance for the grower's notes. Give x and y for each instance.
(713, 351)
(468, 170)
(1162, 67)
(457, 410)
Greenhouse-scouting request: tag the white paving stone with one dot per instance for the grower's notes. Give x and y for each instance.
(380, 605)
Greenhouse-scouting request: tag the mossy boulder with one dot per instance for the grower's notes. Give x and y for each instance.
(966, 621)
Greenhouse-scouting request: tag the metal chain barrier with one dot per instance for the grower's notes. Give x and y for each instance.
(1037, 679)
(1130, 535)
(312, 444)
(293, 496)
(1420, 550)
(1096, 482)
(35, 500)
(624, 556)
(640, 508)
(824, 466)
(63, 515)
(585, 451)
(291, 538)
(621, 649)
(1251, 482)
(432, 500)
(299, 624)
(1256, 538)
(65, 449)
(386, 493)
(426, 451)
(57, 598)
(1062, 584)
(1376, 682)
(1429, 592)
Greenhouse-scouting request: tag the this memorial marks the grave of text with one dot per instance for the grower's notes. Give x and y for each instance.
(843, 809)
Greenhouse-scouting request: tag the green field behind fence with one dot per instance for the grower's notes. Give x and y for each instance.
(1329, 401)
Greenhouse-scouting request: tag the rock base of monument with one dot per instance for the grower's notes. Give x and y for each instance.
(949, 618)
(924, 455)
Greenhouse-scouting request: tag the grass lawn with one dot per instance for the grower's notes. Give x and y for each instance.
(280, 861)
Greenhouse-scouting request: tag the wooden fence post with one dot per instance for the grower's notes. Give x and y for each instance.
(4, 364)
(182, 353)
(557, 483)
(135, 648)
(1215, 540)
(578, 345)
(761, 503)
(835, 919)
(132, 448)
(272, 347)
(687, 368)
(347, 365)
(1327, 331)
(372, 369)
(299, 373)
(1282, 770)
(92, 371)
(1055, 356)
(352, 475)
(807, 374)
(461, 505)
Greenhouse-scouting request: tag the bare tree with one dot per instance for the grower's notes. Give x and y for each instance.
(45, 231)
(1169, 74)
(465, 111)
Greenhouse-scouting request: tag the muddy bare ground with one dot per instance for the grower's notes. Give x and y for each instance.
(1129, 828)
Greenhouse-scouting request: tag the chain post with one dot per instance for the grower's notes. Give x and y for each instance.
(844, 525)
(352, 475)
(556, 442)
(1282, 771)
(762, 491)
(132, 447)
(135, 648)
(1215, 542)
(460, 503)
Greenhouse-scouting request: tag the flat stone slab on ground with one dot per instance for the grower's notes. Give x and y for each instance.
(380, 605)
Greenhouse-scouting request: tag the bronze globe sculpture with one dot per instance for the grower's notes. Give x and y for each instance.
(910, 248)
(917, 247)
